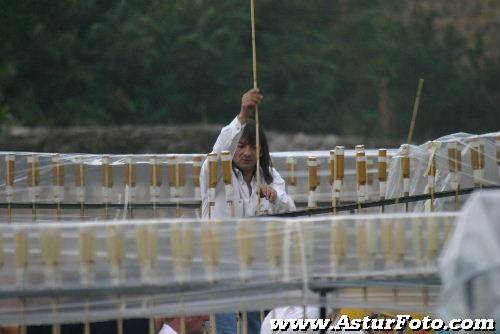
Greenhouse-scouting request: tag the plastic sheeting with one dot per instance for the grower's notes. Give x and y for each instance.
(476, 165)
(142, 181)
(470, 263)
(64, 272)
(129, 182)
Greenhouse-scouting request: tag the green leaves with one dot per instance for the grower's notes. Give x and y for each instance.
(343, 67)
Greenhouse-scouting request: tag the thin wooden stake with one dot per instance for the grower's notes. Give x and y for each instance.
(415, 110)
(257, 134)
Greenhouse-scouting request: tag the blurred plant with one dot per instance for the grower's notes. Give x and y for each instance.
(345, 67)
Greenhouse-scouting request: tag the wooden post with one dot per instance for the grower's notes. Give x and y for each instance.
(106, 182)
(227, 176)
(382, 174)
(58, 175)
(155, 181)
(33, 181)
(405, 170)
(213, 179)
(130, 183)
(313, 181)
(291, 163)
(339, 175)
(10, 160)
(80, 184)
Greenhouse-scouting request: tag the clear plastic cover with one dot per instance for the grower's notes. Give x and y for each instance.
(470, 265)
(149, 186)
(476, 165)
(69, 271)
(71, 249)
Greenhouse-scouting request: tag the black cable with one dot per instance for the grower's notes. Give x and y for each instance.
(197, 204)
(90, 206)
(389, 201)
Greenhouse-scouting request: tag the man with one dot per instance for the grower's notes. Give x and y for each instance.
(297, 312)
(239, 138)
(194, 325)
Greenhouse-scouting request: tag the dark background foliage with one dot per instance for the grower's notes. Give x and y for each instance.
(325, 66)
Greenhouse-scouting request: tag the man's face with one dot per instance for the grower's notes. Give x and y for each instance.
(245, 156)
(195, 324)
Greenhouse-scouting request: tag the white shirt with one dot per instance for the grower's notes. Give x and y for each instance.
(245, 204)
(287, 312)
(166, 329)
(295, 312)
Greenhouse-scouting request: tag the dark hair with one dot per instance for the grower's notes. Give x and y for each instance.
(248, 136)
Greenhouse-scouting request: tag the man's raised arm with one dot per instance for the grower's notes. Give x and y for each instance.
(230, 134)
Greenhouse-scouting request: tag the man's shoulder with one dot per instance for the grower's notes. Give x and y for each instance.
(274, 171)
(166, 329)
(276, 175)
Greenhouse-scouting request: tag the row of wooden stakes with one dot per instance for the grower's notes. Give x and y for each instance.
(177, 174)
(353, 246)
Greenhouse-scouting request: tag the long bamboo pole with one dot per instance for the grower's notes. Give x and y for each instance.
(257, 134)
(415, 110)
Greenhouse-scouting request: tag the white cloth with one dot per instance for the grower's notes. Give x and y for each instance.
(166, 329)
(294, 312)
(287, 312)
(245, 204)
(470, 263)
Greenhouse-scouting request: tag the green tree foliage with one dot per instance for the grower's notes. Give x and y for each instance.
(327, 66)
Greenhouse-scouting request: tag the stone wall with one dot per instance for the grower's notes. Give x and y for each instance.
(157, 139)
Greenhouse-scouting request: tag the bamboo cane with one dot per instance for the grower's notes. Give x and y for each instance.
(477, 162)
(291, 163)
(210, 240)
(415, 110)
(10, 161)
(155, 181)
(313, 180)
(339, 176)
(147, 250)
(86, 243)
(212, 181)
(58, 175)
(21, 261)
(274, 247)
(382, 174)
(387, 243)
(115, 244)
(173, 180)
(115, 247)
(130, 183)
(211, 250)
(369, 177)
(50, 240)
(197, 163)
(363, 244)
(255, 86)
(245, 255)
(361, 175)
(227, 176)
(331, 177)
(386, 226)
(106, 182)
(80, 184)
(431, 173)
(455, 168)
(405, 169)
(33, 181)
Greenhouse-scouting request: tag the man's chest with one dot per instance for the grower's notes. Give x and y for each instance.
(245, 196)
